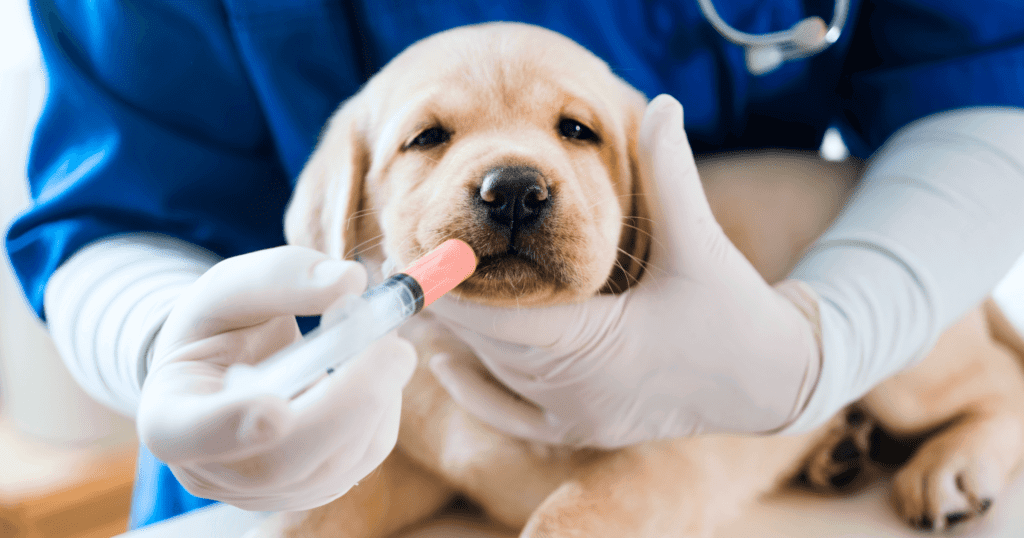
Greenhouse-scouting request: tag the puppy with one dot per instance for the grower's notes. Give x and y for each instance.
(523, 144)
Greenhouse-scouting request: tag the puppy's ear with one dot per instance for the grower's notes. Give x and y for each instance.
(329, 190)
(635, 241)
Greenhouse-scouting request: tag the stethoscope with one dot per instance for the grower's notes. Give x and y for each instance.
(766, 52)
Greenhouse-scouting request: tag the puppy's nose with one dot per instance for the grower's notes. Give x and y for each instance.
(514, 196)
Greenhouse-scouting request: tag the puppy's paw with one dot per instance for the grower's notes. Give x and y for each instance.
(955, 476)
(839, 461)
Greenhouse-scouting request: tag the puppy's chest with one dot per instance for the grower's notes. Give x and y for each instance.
(431, 412)
(499, 471)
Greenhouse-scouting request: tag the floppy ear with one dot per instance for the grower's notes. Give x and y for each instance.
(635, 241)
(329, 190)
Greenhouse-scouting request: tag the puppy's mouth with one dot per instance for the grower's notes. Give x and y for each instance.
(511, 275)
(507, 266)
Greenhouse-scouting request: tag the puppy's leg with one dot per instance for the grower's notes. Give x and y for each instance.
(682, 488)
(397, 494)
(957, 474)
(970, 392)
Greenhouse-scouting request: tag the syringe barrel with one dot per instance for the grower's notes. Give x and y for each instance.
(346, 332)
(361, 321)
(399, 297)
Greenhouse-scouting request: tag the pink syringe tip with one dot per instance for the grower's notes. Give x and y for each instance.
(442, 269)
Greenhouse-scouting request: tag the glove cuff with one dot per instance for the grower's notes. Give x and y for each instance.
(106, 304)
(805, 299)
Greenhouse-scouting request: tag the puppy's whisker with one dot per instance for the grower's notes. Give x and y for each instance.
(355, 249)
(401, 246)
(637, 228)
(432, 159)
(351, 220)
(378, 237)
(616, 289)
(643, 263)
(631, 194)
(623, 268)
(362, 213)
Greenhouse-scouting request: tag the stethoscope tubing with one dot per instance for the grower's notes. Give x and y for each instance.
(784, 38)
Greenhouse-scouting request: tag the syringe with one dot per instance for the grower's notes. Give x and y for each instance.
(356, 325)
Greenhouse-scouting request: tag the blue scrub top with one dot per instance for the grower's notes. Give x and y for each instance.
(193, 119)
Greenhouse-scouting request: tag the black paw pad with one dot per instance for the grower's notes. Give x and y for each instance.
(855, 417)
(926, 523)
(888, 451)
(843, 479)
(984, 505)
(956, 517)
(845, 451)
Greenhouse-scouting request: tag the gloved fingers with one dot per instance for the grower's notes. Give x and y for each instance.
(339, 415)
(342, 438)
(469, 385)
(242, 485)
(521, 367)
(336, 426)
(683, 227)
(384, 440)
(183, 416)
(260, 341)
(518, 326)
(249, 289)
(339, 474)
(248, 345)
(379, 371)
(514, 330)
(180, 421)
(284, 489)
(318, 453)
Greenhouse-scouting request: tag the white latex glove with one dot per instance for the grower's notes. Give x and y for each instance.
(263, 453)
(701, 344)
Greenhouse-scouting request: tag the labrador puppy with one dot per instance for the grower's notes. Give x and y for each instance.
(523, 144)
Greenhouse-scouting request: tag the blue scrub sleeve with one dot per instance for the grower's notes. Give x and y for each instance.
(909, 59)
(157, 494)
(150, 124)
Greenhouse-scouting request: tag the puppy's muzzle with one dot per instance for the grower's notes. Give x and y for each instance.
(513, 199)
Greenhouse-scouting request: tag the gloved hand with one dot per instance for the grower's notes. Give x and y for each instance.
(701, 344)
(263, 453)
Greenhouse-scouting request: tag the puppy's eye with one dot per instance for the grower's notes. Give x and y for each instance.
(575, 130)
(430, 137)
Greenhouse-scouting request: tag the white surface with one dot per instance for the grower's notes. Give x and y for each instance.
(793, 515)
(866, 514)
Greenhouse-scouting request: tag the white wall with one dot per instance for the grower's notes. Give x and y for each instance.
(17, 41)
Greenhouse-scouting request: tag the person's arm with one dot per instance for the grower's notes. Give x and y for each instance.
(150, 125)
(150, 129)
(936, 221)
(931, 92)
(107, 303)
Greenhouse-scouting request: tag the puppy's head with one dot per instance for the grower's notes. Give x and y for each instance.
(510, 137)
